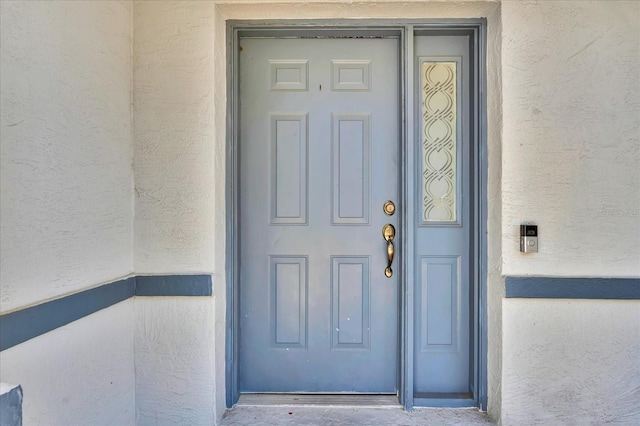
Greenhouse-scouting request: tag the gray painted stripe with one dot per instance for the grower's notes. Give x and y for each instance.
(572, 288)
(19, 326)
(28, 323)
(174, 285)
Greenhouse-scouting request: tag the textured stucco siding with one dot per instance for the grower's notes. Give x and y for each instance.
(66, 150)
(66, 206)
(571, 165)
(79, 374)
(571, 362)
(175, 176)
(173, 134)
(174, 360)
(571, 152)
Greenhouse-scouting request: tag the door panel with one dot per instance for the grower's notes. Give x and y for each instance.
(351, 184)
(288, 168)
(319, 144)
(442, 348)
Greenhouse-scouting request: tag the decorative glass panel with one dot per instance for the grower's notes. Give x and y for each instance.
(439, 141)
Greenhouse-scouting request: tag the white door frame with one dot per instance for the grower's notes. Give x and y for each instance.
(405, 29)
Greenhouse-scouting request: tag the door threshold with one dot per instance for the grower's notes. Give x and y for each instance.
(340, 399)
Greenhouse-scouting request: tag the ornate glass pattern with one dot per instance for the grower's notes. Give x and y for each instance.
(439, 141)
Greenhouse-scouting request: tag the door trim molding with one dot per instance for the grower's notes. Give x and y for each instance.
(404, 29)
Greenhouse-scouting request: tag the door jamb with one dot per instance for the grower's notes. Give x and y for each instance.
(405, 29)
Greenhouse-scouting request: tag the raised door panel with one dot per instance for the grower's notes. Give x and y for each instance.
(350, 303)
(288, 168)
(288, 302)
(439, 295)
(351, 183)
(289, 75)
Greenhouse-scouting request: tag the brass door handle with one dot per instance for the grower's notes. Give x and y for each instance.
(389, 233)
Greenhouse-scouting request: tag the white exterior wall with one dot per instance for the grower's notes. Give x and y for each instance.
(571, 362)
(66, 207)
(78, 374)
(571, 165)
(173, 133)
(175, 178)
(571, 159)
(175, 360)
(66, 151)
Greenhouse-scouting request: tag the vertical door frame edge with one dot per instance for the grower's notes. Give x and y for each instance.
(406, 281)
(232, 226)
(481, 159)
(406, 30)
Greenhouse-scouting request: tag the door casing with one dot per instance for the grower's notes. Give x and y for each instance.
(405, 30)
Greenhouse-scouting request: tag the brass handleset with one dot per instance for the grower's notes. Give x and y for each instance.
(389, 233)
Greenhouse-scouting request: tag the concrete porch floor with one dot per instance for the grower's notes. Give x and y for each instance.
(349, 415)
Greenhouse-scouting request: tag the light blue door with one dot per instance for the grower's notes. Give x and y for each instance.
(443, 221)
(319, 147)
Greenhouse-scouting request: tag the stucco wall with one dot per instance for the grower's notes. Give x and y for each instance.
(175, 176)
(79, 374)
(66, 206)
(571, 165)
(571, 151)
(173, 134)
(571, 362)
(174, 360)
(66, 150)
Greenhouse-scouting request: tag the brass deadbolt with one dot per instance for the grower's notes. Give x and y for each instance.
(389, 208)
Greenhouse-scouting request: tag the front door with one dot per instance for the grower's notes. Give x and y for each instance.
(319, 147)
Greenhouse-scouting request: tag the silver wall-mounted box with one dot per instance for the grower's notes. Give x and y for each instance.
(529, 238)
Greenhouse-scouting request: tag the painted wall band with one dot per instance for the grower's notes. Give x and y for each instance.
(572, 288)
(174, 285)
(19, 326)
